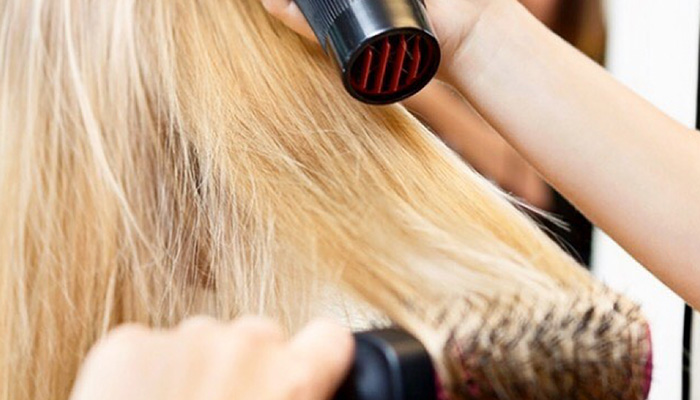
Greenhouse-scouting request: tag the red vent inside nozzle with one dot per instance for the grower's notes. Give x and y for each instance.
(394, 67)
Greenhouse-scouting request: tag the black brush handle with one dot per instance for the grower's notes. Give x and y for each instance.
(389, 364)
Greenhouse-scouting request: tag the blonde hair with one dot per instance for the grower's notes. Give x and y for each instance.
(166, 158)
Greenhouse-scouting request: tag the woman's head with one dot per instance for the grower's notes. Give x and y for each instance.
(174, 157)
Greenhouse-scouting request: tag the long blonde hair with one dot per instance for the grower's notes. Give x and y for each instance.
(165, 158)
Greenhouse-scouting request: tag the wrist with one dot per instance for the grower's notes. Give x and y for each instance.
(498, 25)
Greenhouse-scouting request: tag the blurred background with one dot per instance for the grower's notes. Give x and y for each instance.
(652, 47)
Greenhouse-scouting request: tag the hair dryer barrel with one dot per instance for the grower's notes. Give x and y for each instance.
(386, 49)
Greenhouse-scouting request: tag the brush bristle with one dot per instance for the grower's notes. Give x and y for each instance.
(587, 347)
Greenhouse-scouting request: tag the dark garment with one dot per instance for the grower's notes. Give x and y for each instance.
(580, 230)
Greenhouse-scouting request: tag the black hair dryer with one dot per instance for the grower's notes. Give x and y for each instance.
(386, 49)
(389, 364)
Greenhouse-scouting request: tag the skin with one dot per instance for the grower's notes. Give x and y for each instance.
(459, 125)
(205, 359)
(631, 169)
(466, 132)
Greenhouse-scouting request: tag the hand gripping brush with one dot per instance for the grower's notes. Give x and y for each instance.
(579, 348)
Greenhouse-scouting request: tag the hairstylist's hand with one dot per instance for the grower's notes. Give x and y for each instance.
(453, 20)
(205, 359)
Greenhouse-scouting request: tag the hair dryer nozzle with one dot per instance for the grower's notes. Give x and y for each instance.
(386, 49)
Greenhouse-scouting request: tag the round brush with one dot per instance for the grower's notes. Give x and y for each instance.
(587, 347)
(385, 49)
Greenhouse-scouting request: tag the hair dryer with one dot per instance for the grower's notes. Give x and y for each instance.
(386, 49)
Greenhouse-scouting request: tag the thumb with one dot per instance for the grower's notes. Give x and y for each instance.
(289, 13)
(329, 352)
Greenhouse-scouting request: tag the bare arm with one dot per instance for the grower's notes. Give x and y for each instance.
(627, 166)
(631, 169)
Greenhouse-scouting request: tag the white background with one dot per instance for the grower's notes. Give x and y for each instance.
(653, 49)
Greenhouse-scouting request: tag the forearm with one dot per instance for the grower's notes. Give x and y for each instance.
(632, 170)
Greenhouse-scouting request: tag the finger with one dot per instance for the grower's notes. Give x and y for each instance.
(198, 324)
(130, 352)
(289, 13)
(328, 351)
(258, 329)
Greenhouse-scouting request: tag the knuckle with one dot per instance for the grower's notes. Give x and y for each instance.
(197, 326)
(258, 329)
(127, 335)
(121, 346)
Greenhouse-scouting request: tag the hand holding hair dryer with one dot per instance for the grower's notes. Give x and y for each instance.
(386, 49)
